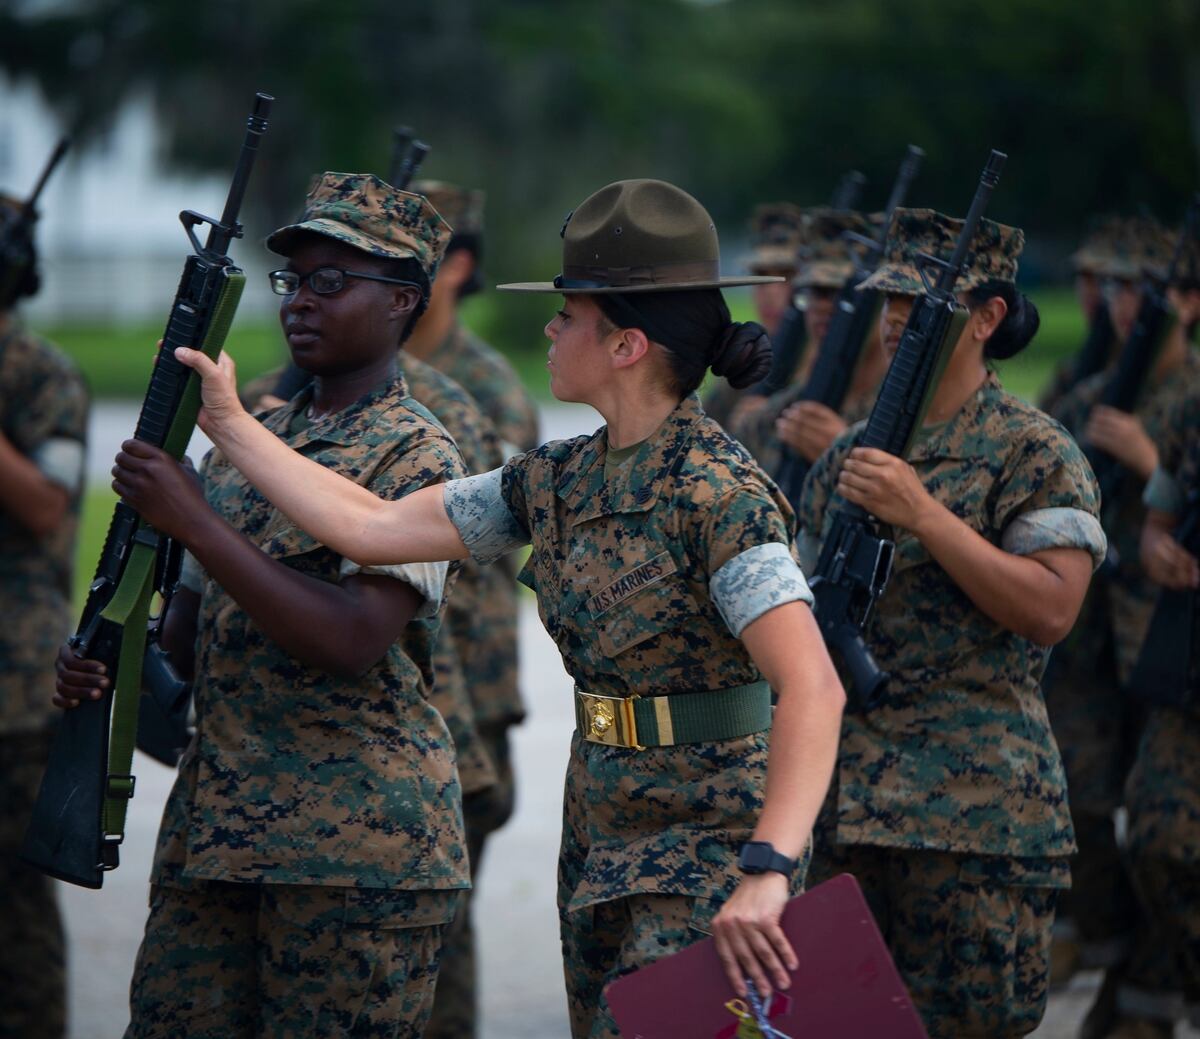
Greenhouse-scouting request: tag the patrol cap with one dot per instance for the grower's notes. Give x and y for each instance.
(638, 236)
(1099, 244)
(462, 208)
(774, 235)
(992, 256)
(826, 256)
(369, 214)
(1138, 246)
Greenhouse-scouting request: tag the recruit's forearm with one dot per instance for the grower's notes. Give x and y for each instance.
(324, 625)
(336, 511)
(1024, 594)
(36, 503)
(787, 646)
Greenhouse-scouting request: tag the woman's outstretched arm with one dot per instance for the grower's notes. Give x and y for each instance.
(337, 512)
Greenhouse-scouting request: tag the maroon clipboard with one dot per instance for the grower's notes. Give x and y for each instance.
(847, 986)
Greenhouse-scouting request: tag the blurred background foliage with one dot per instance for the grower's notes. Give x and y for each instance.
(740, 101)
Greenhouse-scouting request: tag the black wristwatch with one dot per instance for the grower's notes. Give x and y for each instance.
(761, 857)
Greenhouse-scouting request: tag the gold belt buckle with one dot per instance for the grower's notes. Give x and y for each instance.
(609, 720)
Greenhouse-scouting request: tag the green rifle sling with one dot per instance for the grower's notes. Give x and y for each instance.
(130, 604)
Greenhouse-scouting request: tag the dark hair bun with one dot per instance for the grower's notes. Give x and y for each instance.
(1013, 334)
(743, 354)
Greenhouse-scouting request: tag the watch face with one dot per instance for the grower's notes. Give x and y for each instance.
(755, 856)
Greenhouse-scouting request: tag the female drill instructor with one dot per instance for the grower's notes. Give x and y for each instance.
(949, 803)
(662, 569)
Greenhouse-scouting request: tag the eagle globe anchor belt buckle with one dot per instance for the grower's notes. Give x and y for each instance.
(609, 720)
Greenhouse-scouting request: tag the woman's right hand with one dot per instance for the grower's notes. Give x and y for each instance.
(77, 679)
(218, 389)
(1166, 561)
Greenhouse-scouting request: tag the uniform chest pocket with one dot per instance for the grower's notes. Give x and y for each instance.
(660, 608)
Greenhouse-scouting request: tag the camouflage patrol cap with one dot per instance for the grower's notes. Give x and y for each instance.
(826, 256)
(992, 256)
(1099, 244)
(774, 234)
(1139, 245)
(638, 236)
(369, 214)
(461, 207)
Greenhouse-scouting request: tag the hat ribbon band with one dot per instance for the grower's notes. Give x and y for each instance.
(616, 277)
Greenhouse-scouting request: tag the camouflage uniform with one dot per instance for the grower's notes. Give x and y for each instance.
(774, 233)
(1097, 726)
(488, 629)
(312, 847)
(1163, 792)
(949, 801)
(43, 413)
(644, 579)
(825, 262)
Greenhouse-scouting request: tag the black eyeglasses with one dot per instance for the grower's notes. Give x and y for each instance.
(324, 281)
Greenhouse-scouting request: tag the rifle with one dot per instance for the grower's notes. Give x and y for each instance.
(407, 156)
(1097, 346)
(1167, 672)
(1124, 387)
(856, 313)
(856, 560)
(16, 232)
(791, 337)
(78, 819)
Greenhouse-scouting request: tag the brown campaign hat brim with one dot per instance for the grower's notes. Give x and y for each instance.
(670, 286)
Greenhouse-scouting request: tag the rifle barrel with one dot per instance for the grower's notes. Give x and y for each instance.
(256, 125)
(60, 150)
(987, 183)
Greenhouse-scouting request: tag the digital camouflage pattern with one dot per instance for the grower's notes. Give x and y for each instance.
(1100, 246)
(970, 934)
(618, 937)
(992, 256)
(774, 234)
(664, 820)
(295, 776)
(461, 208)
(1130, 596)
(32, 954)
(1135, 247)
(826, 257)
(369, 214)
(480, 449)
(43, 403)
(273, 961)
(959, 757)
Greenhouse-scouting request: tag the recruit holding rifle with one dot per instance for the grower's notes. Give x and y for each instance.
(79, 818)
(856, 558)
(855, 314)
(16, 233)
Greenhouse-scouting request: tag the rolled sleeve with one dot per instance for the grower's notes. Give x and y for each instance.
(60, 460)
(1040, 529)
(1163, 493)
(477, 508)
(427, 578)
(756, 581)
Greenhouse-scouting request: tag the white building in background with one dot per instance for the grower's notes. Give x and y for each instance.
(111, 243)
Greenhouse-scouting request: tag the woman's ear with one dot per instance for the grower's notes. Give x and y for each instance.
(630, 346)
(404, 300)
(988, 317)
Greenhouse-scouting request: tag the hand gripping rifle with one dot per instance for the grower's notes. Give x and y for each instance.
(856, 560)
(1167, 672)
(79, 817)
(791, 337)
(16, 233)
(407, 156)
(1124, 387)
(856, 313)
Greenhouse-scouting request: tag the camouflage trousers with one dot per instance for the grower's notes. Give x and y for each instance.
(248, 961)
(602, 942)
(1097, 727)
(33, 1004)
(1164, 837)
(970, 934)
(455, 1005)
